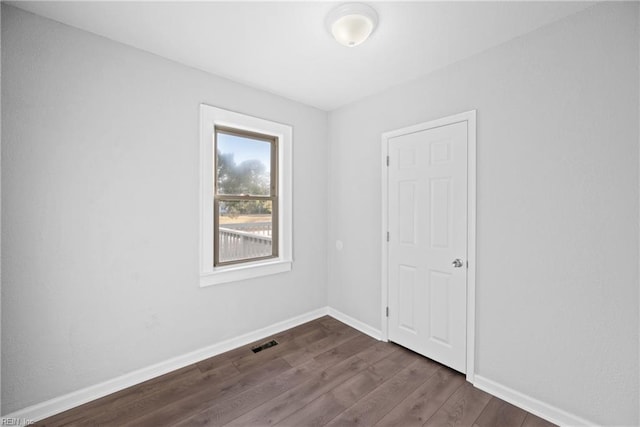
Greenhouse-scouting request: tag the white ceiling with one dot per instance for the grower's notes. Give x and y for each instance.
(283, 47)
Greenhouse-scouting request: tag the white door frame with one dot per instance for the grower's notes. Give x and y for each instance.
(470, 118)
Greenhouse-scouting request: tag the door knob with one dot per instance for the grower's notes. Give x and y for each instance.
(457, 263)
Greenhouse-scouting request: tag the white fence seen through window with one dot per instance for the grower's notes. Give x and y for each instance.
(245, 240)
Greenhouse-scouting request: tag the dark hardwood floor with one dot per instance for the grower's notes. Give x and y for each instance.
(320, 373)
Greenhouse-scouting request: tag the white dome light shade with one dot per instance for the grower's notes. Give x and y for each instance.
(351, 30)
(352, 23)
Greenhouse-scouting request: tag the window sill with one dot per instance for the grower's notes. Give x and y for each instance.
(236, 273)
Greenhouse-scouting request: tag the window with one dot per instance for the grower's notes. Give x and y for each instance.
(245, 219)
(245, 194)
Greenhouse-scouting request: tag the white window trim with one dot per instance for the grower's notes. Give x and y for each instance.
(210, 275)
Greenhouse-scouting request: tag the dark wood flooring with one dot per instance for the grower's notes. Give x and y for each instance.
(321, 373)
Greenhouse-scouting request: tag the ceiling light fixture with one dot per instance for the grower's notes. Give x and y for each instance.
(351, 23)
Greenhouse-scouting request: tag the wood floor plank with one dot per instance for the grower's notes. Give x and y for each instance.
(534, 421)
(287, 403)
(221, 411)
(500, 413)
(226, 410)
(286, 335)
(290, 402)
(176, 406)
(345, 350)
(323, 409)
(116, 414)
(327, 406)
(330, 323)
(250, 360)
(308, 352)
(384, 398)
(132, 409)
(302, 329)
(321, 372)
(133, 398)
(420, 405)
(378, 351)
(461, 409)
(198, 402)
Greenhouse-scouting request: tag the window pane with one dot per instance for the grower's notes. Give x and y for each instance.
(244, 230)
(243, 165)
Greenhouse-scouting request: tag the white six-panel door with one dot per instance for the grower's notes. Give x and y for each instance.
(427, 242)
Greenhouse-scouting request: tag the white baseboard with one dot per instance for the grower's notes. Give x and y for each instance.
(60, 404)
(354, 323)
(535, 406)
(55, 406)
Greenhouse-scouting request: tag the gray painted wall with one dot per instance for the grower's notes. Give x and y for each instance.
(100, 212)
(557, 211)
(100, 204)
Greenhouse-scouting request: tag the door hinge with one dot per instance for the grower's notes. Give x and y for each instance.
(387, 236)
(387, 160)
(387, 311)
